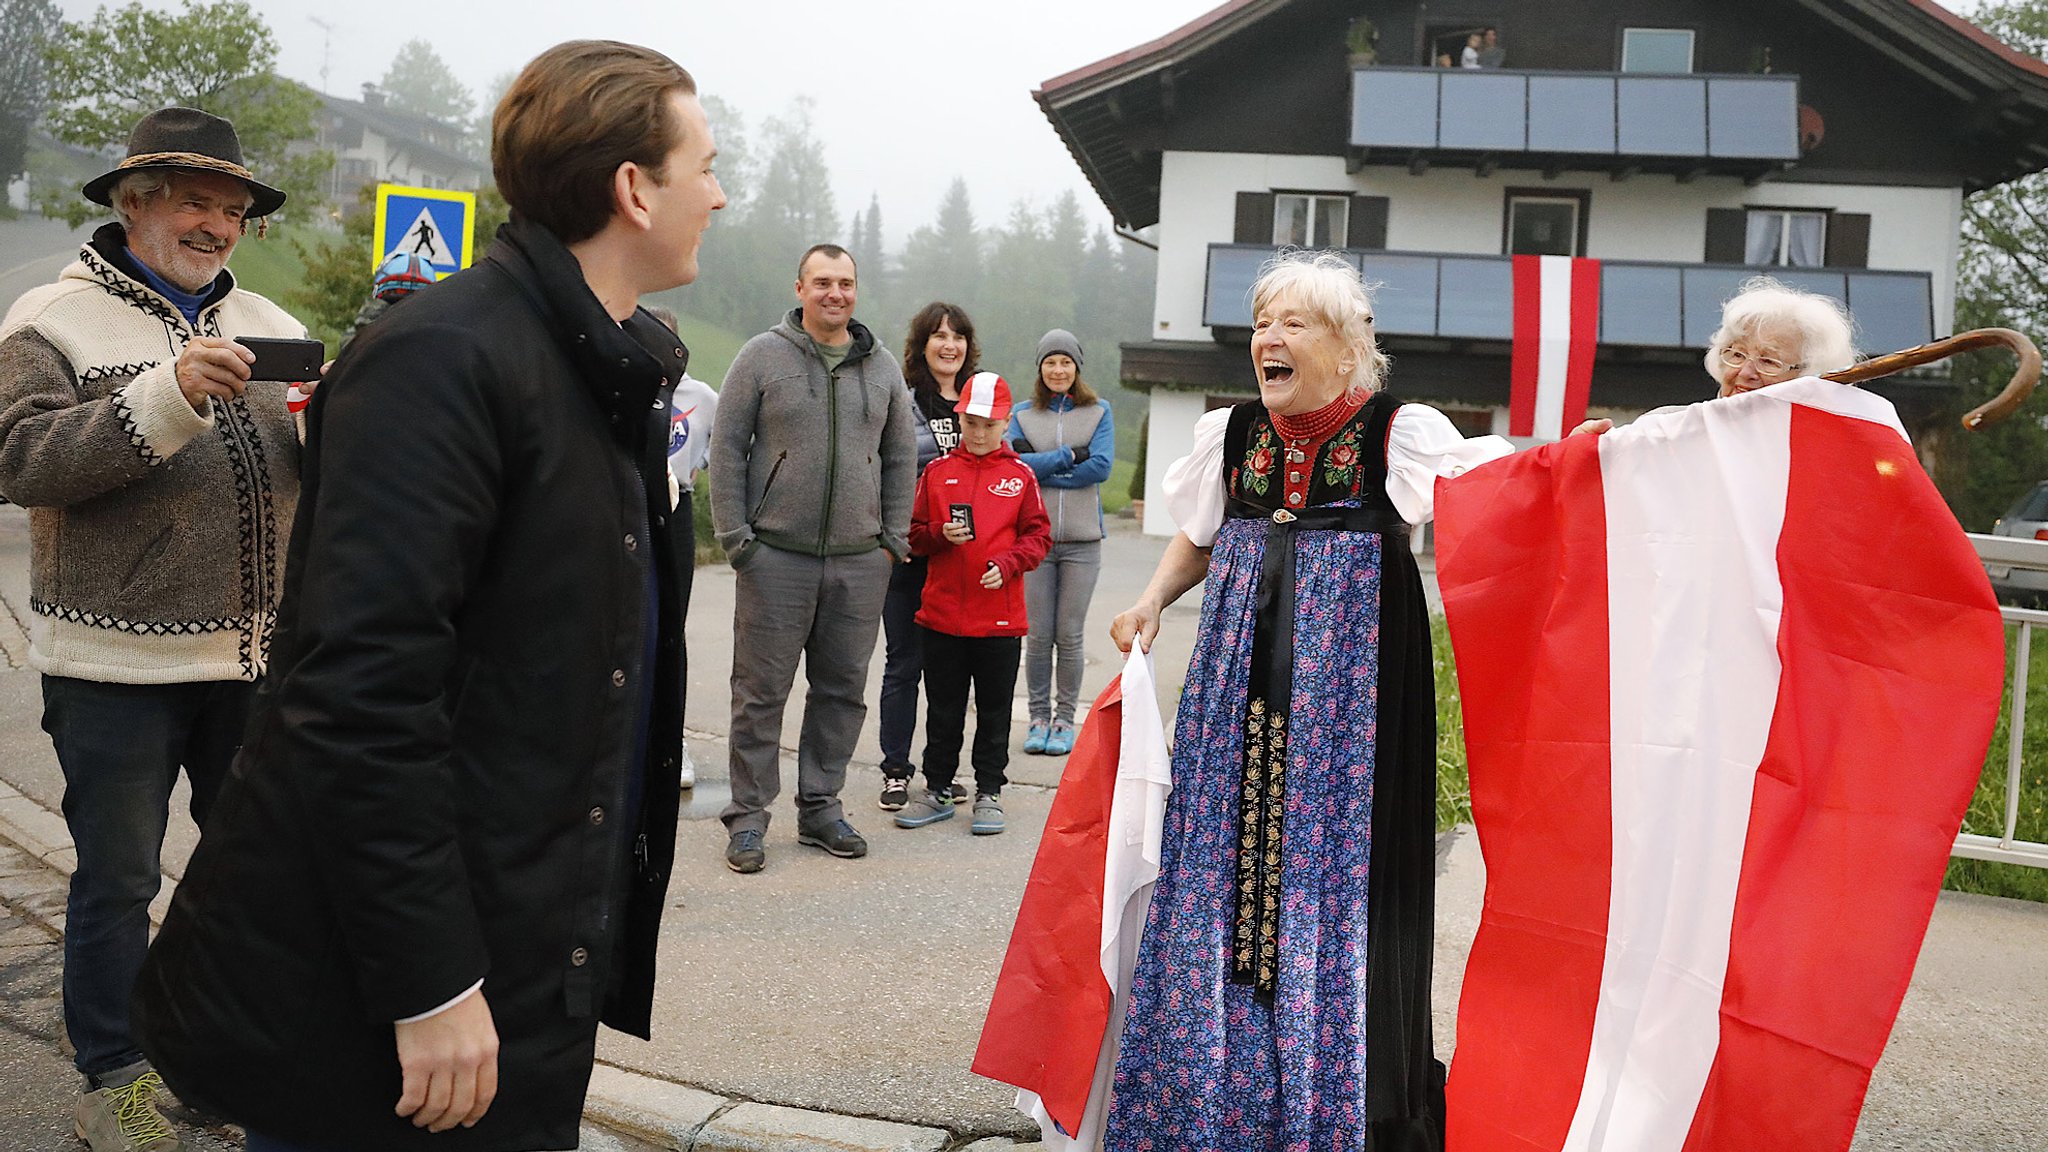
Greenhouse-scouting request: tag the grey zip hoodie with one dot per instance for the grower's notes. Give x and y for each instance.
(803, 462)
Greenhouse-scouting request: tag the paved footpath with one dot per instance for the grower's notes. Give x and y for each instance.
(826, 1004)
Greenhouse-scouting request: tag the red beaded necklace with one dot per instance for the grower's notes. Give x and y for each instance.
(1302, 435)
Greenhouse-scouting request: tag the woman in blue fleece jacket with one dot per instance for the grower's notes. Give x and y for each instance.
(1065, 434)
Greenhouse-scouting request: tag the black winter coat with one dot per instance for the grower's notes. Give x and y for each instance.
(434, 788)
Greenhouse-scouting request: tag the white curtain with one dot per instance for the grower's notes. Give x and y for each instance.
(1806, 246)
(1766, 230)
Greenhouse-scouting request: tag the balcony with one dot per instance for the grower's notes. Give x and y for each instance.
(1642, 304)
(1689, 125)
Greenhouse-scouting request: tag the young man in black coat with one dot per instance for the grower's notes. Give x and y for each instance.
(441, 858)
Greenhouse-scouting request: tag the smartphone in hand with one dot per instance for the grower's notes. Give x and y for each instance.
(290, 361)
(963, 515)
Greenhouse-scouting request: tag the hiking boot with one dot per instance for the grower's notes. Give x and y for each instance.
(1034, 738)
(956, 793)
(1060, 741)
(988, 815)
(929, 808)
(743, 853)
(838, 838)
(125, 1118)
(895, 794)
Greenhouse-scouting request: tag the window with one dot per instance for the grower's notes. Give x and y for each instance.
(1785, 238)
(1656, 50)
(1303, 220)
(1543, 225)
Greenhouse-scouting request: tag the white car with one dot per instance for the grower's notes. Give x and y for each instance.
(2027, 519)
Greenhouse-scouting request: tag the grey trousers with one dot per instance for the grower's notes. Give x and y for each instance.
(1056, 596)
(826, 610)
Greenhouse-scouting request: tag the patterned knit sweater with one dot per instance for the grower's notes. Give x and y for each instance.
(158, 533)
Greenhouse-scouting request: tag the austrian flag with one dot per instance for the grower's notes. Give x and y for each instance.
(1557, 327)
(1729, 674)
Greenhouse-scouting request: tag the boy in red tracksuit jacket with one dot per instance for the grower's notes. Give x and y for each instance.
(979, 517)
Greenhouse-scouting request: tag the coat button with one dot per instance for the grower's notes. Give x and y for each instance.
(1294, 498)
(597, 817)
(625, 361)
(618, 677)
(632, 545)
(579, 957)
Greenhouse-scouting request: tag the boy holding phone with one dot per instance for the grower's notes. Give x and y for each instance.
(978, 516)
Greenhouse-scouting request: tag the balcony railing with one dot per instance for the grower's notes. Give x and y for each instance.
(1642, 304)
(1743, 124)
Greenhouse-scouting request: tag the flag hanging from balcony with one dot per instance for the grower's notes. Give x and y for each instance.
(1557, 327)
(1729, 674)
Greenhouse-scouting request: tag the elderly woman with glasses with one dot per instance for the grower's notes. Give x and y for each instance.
(1281, 997)
(1771, 333)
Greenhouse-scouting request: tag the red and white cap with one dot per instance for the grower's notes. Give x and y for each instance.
(985, 394)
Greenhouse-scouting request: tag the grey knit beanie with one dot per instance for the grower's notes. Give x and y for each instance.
(1059, 340)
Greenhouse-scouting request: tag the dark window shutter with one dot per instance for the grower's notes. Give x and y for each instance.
(1848, 240)
(1368, 225)
(1254, 218)
(1727, 235)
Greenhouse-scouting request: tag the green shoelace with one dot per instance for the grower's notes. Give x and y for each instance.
(135, 1109)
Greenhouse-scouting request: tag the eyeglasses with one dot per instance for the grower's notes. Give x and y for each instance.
(1765, 366)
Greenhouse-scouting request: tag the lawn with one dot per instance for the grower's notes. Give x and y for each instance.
(268, 265)
(1987, 808)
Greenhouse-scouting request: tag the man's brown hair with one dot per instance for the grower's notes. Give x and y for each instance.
(576, 113)
(829, 252)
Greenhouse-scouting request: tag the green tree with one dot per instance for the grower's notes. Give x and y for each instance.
(2004, 283)
(220, 57)
(942, 260)
(26, 29)
(419, 82)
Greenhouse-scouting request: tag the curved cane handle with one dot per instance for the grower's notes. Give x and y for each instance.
(1991, 412)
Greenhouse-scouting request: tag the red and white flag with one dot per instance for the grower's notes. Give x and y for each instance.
(1729, 675)
(1557, 328)
(1059, 1002)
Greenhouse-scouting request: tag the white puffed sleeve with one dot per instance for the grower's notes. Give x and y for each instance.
(1194, 489)
(1422, 445)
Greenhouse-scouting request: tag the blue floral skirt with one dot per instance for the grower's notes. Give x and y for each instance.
(1205, 1065)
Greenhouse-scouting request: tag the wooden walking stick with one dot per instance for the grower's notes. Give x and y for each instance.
(1991, 412)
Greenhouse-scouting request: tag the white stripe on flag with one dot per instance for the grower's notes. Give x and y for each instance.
(1555, 347)
(1691, 568)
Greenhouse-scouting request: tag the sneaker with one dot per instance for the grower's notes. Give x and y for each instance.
(125, 1118)
(1061, 740)
(956, 793)
(688, 769)
(988, 815)
(838, 838)
(1034, 738)
(895, 794)
(743, 853)
(929, 808)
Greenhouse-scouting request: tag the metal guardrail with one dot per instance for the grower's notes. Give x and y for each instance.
(2006, 558)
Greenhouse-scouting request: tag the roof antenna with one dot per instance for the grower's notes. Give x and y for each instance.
(326, 48)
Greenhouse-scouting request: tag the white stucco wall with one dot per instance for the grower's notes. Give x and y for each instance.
(1646, 217)
(1172, 436)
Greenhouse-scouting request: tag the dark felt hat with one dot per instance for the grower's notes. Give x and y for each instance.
(190, 139)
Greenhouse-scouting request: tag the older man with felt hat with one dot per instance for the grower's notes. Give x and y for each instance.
(160, 482)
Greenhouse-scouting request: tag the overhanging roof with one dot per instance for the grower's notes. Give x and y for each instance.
(1110, 114)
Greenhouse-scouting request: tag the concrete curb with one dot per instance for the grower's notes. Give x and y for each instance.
(666, 1115)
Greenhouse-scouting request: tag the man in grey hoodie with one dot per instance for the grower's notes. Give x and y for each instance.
(813, 467)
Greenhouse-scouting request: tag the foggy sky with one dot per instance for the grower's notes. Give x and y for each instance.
(910, 93)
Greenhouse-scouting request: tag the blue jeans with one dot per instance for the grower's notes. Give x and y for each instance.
(120, 747)
(901, 667)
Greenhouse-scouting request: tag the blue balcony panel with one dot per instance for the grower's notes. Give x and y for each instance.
(1643, 304)
(1752, 121)
(1661, 116)
(1405, 296)
(1393, 109)
(1639, 304)
(1484, 112)
(1571, 114)
(1477, 298)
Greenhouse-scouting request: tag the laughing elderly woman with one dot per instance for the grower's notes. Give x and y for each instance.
(1282, 991)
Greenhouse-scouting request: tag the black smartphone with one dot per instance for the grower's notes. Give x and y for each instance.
(292, 361)
(963, 515)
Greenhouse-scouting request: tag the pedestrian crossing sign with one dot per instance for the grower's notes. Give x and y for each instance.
(435, 224)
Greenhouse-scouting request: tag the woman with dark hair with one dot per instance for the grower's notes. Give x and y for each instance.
(938, 354)
(1066, 436)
